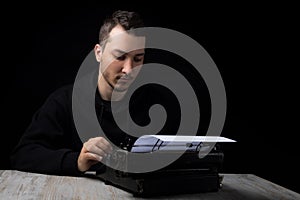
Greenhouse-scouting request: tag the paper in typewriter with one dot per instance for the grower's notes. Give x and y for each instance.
(150, 143)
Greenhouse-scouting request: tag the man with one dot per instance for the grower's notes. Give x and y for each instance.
(51, 143)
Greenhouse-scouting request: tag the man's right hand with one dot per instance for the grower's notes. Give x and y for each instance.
(93, 151)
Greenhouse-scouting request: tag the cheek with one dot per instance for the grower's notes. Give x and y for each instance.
(112, 70)
(136, 69)
(106, 61)
(115, 67)
(107, 66)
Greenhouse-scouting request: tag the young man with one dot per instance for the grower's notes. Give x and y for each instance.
(51, 143)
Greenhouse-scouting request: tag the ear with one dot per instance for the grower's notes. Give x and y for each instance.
(98, 52)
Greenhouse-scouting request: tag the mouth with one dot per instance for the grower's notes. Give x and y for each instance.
(124, 78)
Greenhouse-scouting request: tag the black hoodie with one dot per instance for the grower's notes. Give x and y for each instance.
(51, 144)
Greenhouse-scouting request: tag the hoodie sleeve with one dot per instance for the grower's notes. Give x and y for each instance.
(50, 144)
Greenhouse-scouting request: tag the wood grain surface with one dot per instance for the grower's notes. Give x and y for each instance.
(24, 185)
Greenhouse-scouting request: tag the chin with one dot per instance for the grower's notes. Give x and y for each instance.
(120, 89)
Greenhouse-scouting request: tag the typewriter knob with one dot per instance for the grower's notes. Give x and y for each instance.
(126, 144)
(140, 183)
(221, 177)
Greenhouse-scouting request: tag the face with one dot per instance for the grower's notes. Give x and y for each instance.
(119, 60)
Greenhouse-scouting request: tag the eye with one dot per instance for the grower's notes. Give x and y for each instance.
(122, 57)
(138, 59)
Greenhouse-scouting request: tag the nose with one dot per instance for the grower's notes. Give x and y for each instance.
(127, 66)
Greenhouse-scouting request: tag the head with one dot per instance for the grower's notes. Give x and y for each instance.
(119, 52)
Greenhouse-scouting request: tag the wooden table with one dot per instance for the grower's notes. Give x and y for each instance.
(23, 185)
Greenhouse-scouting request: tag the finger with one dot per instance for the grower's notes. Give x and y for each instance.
(103, 141)
(104, 147)
(93, 148)
(93, 156)
(100, 142)
(103, 144)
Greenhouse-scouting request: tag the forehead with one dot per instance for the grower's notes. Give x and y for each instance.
(122, 40)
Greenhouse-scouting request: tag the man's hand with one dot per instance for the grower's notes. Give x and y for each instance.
(92, 152)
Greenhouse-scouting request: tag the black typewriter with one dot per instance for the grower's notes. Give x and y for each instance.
(190, 173)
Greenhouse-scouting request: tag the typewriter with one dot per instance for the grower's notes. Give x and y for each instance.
(190, 173)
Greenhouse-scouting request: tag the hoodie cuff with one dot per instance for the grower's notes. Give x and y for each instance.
(69, 164)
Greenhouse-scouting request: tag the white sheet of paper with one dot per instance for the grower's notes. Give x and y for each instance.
(149, 143)
(184, 138)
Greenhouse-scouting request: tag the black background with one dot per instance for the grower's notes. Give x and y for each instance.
(253, 46)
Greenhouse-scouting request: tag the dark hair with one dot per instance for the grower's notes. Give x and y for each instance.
(128, 20)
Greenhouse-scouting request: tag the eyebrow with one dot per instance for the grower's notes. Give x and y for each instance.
(124, 53)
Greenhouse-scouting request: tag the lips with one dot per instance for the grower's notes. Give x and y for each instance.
(124, 78)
